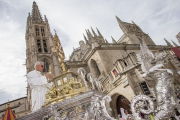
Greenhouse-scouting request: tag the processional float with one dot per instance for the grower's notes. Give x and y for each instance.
(162, 105)
(72, 96)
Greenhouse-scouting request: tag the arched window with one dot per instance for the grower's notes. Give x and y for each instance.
(42, 32)
(46, 66)
(39, 45)
(37, 31)
(45, 46)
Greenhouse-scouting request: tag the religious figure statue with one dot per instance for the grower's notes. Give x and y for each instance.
(39, 85)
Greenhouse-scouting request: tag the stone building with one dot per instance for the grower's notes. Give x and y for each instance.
(18, 106)
(115, 65)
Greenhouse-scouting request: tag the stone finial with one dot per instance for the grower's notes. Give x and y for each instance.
(174, 43)
(91, 36)
(100, 35)
(95, 35)
(45, 18)
(87, 42)
(113, 40)
(106, 41)
(168, 43)
(133, 22)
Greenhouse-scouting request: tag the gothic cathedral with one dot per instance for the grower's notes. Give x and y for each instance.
(115, 66)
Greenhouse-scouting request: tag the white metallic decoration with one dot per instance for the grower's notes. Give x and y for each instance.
(163, 92)
(82, 73)
(146, 57)
(86, 106)
(89, 77)
(100, 110)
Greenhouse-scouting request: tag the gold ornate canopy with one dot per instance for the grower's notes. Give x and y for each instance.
(65, 85)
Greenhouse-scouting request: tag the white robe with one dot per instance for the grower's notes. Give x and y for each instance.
(39, 87)
(122, 113)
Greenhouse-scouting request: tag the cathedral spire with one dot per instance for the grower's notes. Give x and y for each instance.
(174, 44)
(100, 35)
(87, 42)
(90, 33)
(121, 24)
(36, 15)
(168, 43)
(46, 20)
(113, 40)
(95, 35)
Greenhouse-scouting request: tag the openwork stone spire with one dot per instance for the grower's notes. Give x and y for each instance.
(36, 15)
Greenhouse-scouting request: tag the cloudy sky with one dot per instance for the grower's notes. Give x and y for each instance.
(70, 18)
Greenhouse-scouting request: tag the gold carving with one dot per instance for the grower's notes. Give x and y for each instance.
(58, 49)
(64, 91)
(66, 84)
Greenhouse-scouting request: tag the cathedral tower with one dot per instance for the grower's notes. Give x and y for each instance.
(39, 41)
(133, 33)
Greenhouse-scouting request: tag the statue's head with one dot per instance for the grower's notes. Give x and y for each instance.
(39, 66)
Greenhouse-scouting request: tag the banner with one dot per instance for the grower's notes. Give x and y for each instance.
(176, 51)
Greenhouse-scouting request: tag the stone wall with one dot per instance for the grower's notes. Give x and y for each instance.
(18, 106)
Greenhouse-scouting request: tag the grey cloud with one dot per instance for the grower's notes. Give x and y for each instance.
(5, 96)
